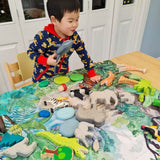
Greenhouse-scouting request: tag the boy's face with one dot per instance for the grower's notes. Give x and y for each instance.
(67, 25)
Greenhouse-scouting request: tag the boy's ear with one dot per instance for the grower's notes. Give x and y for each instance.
(53, 20)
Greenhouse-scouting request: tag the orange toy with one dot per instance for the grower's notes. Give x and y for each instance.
(127, 80)
(108, 81)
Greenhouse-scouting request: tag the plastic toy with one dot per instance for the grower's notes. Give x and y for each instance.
(83, 131)
(125, 67)
(152, 130)
(123, 79)
(127, 97)
(59, 140)
(20, 149)
(61, 98)
(61, 153)
(108, 81)
(95, 145)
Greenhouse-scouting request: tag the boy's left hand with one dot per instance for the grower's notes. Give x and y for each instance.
(96, 78)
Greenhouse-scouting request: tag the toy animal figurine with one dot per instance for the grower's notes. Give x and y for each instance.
(127, 97)
(20, 149)
(61, 153)
(94, 115)
(106, 97)
(64, 48)
(125, 67)
(123, 79)
(59, 140)
(108, 81)
(83, 131)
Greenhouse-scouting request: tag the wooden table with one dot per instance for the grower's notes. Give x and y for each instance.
(141, 60)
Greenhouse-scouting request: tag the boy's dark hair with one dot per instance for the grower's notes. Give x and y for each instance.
(57, 8)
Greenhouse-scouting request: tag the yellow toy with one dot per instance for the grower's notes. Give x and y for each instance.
(59, 140)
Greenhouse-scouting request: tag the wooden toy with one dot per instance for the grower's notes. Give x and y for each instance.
(59, 140)
(122, 79)
(108, 81)
(127, 97)
(125, 67)
(61, 80)
(61, 153)
(107, 99)
(83, 131)
(62, 87)
(20, 149)
(76, 77)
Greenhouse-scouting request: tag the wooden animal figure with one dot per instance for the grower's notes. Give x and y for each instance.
(106, 97)
(20, 149)
(108, 81)
(83, 131)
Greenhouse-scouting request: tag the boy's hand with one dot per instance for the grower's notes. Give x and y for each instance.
(52, 60)
(96, 78)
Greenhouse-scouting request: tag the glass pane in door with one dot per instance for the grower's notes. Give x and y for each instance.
(5, 14)
(81, 2)
(98, 4)
(33, 9)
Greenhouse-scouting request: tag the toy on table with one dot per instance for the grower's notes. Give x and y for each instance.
(87, 83)
(145, 87)
(108, 81)
(20, 149)
(96, 145)
(61, 153)
(83, 131)
(127, 97)
(59, 140)
(123, 79)
(44, 113)
(43, 83)
(79, 93)
(156, 102)
(125, 67)
(152, 130)
(76, 77)
(94, 115)
(61, 80)
(62, 98)
(64, 48)
(62, 87)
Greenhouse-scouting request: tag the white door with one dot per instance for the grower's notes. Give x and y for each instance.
(95, 26)
(99, 28)
(128, 26)
(11, 40)
(32, 18)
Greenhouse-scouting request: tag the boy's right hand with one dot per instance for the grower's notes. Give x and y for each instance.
(52, 60)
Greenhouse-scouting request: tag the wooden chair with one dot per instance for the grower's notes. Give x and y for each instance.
(19, 73)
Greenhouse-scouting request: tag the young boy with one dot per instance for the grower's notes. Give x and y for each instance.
(64, 16)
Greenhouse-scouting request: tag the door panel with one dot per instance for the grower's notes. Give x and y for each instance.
(11, 41)
(32, 17)
(128, 26)
(99, 28)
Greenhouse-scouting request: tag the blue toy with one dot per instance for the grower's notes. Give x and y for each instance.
(44, 113)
